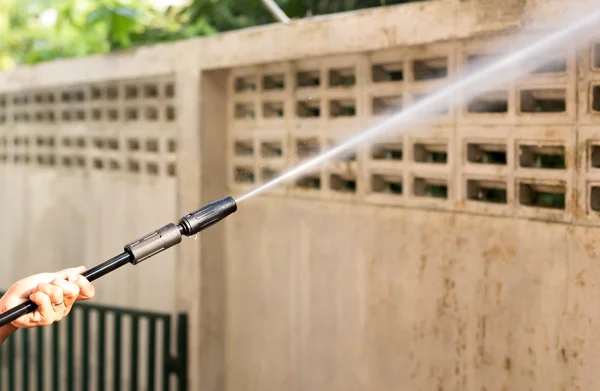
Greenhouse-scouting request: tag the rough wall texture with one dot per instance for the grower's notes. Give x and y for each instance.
(338, 297)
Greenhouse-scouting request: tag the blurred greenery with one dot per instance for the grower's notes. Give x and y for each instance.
(34, 31)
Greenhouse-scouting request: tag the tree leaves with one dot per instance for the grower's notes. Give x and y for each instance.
(86, 27)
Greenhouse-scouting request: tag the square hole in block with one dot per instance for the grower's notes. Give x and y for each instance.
(429, 69)
(391, 71)
(243, 174)
(171, 146)
(114, 165)
(170, 113)
(112, 114)
(381, 105)
(152, 168)
(342, 183)
(133, 145)
(112, 92)
(342, 77)
(595, 104)
(131, 92)
(486, 153)
(99, 142)
(244, 148)
(151, 113)
(66, 116)
(479, 60)
(80, 115)
(431, 153)
(493, 102)
(434, 109)
(80, 161)
(131, 114)
(98, 164)
(490, 191)
(152, 145)
(170, 90)
(596, 55)
(309, 182)
(272, 109)
(342, 108)
(386, 184)
(540, 156)
(430, 187)
(342, 156)
(271, 149)
(594, 156)
(308, 108)
(112, 144)
(307, 147)
(97, 93)
(550, 196)
(2, 101)
(67, 161)
(245, 83)
(543, 100)
(274, 81)
(245, 110)
(558, 65)
(308, 78)
(150, 91)
(133, 166)
(80, 141)
(171, 169)
(387, 151)
(268, 174)
(594, 198)
(96, 114)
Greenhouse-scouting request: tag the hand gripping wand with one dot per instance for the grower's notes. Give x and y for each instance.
(145, 247)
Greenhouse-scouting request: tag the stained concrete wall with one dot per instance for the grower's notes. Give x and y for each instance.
(357, 297)
(312, 291)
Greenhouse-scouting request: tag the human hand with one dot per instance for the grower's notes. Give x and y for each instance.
(54, 294)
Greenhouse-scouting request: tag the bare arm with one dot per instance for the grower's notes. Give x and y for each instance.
(6, 331)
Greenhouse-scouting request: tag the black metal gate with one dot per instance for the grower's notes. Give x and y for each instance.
(98, 348)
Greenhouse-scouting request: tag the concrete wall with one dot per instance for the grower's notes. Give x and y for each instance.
(318, 288)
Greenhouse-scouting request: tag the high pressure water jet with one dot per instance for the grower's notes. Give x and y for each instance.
(147, 246)
(506, 69)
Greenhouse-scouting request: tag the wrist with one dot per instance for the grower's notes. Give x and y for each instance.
(6, 331)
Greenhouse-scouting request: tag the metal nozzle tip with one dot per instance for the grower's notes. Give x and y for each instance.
(208, 215)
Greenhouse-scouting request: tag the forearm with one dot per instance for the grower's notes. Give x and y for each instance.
(6, 331)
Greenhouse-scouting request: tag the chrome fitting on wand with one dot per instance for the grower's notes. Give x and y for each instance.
(189, 225)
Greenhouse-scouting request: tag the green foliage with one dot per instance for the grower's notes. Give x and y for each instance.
(35, 31)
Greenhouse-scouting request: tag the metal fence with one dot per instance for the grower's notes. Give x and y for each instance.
(98, 347)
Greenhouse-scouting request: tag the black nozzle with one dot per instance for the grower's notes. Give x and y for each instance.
(206, 216)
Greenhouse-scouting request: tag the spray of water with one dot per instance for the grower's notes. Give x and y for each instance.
(485, 77)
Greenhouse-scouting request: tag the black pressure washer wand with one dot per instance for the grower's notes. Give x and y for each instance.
(146, 247)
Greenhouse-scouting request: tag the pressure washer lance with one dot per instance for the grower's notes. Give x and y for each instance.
(146, 247)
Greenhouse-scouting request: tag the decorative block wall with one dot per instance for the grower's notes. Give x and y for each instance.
(123, 126)
(524, 150)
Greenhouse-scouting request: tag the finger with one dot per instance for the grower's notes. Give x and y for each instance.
(55, 294)
(66, 273)
(86, 289)
(70, 293)
(44, 315)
